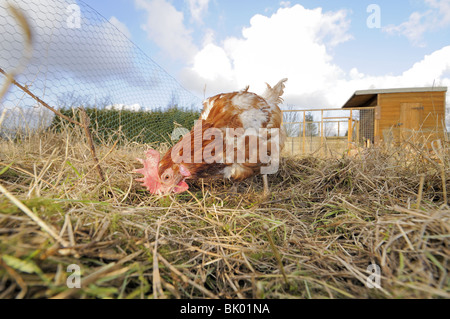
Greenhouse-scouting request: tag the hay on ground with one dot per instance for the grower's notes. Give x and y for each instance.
(327, 222)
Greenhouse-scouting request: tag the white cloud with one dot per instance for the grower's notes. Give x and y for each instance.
(197, 9)
(94, 52)
(124, 107)
(165, 26)
(295, 43)
(432, 70)
(443, 8)
(208, 37)
(292, 42)
(432, 67)
(120, 26)
(95, 61)
(211, 69)
(436, 17)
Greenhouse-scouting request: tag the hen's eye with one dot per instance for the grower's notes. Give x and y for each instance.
(166, 177)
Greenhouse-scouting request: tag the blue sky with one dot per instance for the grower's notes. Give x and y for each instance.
(325, 48)
(370, 50)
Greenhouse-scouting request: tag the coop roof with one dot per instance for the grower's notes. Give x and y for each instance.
(367, 98)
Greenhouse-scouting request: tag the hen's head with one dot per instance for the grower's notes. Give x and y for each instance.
(172, 180)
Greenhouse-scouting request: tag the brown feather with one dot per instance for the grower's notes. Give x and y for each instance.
(222, 112)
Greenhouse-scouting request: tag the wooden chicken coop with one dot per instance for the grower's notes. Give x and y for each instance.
(407, 114)
(393, 116)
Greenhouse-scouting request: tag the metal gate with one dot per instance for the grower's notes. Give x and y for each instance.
(328, 132)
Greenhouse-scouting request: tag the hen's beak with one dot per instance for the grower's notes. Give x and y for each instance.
(182, 186)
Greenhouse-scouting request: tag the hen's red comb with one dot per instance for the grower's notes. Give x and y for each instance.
(151, 178)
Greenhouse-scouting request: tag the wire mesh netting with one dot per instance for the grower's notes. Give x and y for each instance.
(328, 132)
(81, 59)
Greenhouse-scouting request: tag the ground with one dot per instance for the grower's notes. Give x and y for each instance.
(327, 227)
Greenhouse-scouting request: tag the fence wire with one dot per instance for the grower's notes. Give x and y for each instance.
(328, 132)
(79, 58)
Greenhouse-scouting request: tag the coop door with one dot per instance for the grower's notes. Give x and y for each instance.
(411, 120)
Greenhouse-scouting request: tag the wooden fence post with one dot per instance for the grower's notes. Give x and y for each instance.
(304, 132)
(350, 130)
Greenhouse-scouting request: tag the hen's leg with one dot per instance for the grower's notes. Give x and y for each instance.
(266, 186)
(234, 188)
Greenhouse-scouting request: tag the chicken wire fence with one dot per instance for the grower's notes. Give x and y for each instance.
(81, 59)
(328, 132)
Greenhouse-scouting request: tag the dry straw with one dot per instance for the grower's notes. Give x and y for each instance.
(326, 222)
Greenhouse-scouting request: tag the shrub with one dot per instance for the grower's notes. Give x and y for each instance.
(139, 126)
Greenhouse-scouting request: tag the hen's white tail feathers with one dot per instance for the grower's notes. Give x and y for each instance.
(273, 95)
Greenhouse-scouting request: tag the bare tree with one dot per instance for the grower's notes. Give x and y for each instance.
(311, 128)
(291, 119)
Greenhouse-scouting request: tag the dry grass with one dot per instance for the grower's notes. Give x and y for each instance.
(326, 222)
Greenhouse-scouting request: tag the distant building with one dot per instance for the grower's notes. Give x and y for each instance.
(395, 114)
